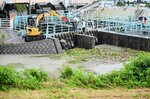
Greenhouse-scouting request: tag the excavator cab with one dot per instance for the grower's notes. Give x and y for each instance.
(31, 21)
(33, 33)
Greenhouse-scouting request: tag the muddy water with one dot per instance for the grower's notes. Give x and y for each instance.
(53, 65)
(32, 61)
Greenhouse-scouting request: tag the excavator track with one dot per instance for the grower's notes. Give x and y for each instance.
(35, 38)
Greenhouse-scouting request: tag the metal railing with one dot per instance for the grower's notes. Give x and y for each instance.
(51, 30)
(122, 26)
(20, 22)
(51, 25)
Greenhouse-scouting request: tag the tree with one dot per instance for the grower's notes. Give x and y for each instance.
(20, 7)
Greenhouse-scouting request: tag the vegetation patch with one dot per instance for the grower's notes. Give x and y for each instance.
(2, 37)
(147, 5)
(27, 79)
(136, 73)
(79, 55)
(20, 7)
(120, 4)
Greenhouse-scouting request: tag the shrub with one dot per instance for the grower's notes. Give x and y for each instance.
(79, 77)
(8, 77)
(139, 68)
(67, 72)
(147, 5)
(27, 79)
(120, 4)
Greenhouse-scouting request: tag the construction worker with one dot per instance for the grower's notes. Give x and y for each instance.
(83, 25)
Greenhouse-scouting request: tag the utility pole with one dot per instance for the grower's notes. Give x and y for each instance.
(29, 7)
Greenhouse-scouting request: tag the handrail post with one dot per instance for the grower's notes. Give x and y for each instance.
(0, 22)
(47, 31)
(54, 29)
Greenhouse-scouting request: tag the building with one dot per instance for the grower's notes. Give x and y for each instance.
(81, 1)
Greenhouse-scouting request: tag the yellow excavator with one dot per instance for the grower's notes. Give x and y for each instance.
(33, 29)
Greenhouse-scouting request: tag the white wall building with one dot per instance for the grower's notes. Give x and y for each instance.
(81, 1)
(55, 2)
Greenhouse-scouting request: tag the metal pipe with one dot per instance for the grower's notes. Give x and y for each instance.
(29, 7)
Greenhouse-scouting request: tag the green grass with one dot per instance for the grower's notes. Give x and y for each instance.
(65, 92)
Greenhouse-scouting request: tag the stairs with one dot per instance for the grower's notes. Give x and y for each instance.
(88, 7)
(138, 13)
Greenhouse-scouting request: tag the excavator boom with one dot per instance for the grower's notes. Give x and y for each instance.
(52, 12)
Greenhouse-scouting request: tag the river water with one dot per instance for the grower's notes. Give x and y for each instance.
(54, 65)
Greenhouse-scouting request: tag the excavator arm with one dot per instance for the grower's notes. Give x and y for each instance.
(52, 12)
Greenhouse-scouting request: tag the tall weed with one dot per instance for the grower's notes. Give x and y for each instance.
(39, 74)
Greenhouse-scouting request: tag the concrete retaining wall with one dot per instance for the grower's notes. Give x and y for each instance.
(53, 46)
(116, 39)
(128, 41)
(49, 46)
(110, 38)
(85, 41)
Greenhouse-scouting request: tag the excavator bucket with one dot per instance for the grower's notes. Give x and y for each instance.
(65, 19)
(62, 5)
(51, 6)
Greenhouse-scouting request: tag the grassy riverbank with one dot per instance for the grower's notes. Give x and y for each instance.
(131, 81)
